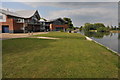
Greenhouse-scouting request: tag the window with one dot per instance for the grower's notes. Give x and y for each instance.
(20, 20)
(57, 22)
(59, 28)
(1, 17)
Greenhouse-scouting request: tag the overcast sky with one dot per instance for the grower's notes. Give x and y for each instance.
(79, 12)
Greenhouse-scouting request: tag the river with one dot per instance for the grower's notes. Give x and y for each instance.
(110, 40)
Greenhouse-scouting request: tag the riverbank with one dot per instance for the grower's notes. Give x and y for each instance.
(115, 31)
(70, 56)
(103, 46)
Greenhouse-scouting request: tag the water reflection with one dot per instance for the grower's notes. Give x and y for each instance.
(111, 40)
(97, 34)
(118, 35)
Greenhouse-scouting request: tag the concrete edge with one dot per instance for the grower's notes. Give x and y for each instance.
(88, 38)
(103, 46)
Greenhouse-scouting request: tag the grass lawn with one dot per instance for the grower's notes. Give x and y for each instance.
(71, 56)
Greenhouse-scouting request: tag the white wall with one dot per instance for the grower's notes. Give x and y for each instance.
(4, 18)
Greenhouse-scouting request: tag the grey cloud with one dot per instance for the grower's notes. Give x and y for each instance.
(84, 15)
(60, 0)
(73, 4)
(82, 12)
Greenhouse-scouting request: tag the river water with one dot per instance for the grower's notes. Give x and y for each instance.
(110, 40)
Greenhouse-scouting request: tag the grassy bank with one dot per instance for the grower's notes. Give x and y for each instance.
(71, 56)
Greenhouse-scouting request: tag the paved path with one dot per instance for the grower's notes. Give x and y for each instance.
(4, 36)
(46, 37)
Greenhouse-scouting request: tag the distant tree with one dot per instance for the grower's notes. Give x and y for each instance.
(119, 24)
(108, 27)
(118, 28)
(112, 27)
(115, 27)
(88, 26)
(98, 25)
(76, 27)
(81, 28)
(69, 22)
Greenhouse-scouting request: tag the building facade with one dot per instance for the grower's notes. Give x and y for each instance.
(20, 21)
(56, 24)
(28, 21)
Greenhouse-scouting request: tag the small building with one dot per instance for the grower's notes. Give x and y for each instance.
(19, 21)
(56, 24)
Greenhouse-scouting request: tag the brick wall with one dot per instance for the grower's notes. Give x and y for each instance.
(13, 26)
(9, 22)
(17, 26)
(53, 27)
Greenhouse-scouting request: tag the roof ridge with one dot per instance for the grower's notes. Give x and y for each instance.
(20, 13)
(8, 12)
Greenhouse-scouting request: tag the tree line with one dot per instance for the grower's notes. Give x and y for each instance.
(99, 27)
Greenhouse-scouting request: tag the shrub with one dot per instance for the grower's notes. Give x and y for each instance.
(61, 31)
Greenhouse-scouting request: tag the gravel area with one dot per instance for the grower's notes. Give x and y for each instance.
(47, 38)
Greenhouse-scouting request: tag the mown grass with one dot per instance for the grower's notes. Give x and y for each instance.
(69, 57)
(63, 35)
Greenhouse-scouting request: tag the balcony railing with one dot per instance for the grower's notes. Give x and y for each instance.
(32, 22)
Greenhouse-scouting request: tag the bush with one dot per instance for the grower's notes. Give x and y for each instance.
(70, 29)
(61, 31)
